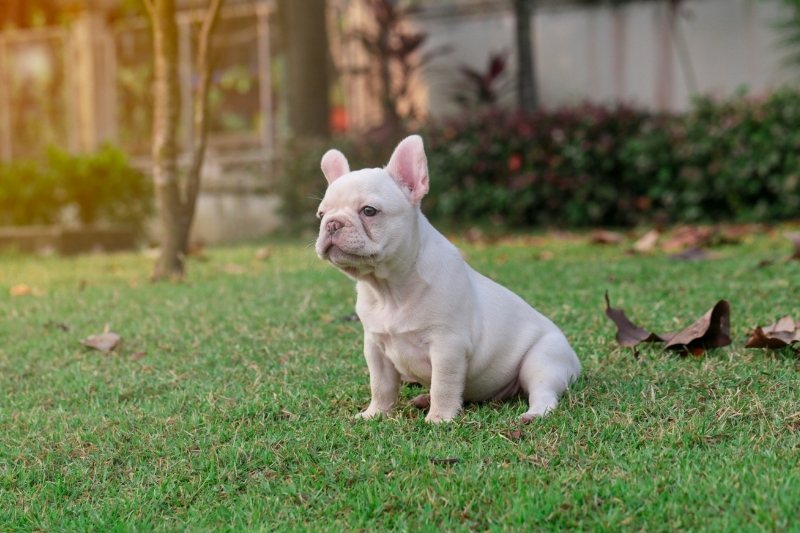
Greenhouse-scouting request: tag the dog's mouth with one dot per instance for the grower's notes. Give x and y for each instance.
(350, 262)
(336, 255)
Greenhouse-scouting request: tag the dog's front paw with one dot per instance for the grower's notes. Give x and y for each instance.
(371, 412)
(438, 417)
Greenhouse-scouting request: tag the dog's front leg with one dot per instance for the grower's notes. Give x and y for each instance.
(384, 380)
(448, 376)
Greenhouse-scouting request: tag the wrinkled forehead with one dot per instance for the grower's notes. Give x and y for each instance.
(363, 186)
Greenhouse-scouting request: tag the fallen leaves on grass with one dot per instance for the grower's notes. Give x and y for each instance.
(712, 330)
(781, 334)
(104, 342)
(691, 242)
(629, 334)
(602, 236)
(646, 243)
(21, 290)
(686, 237)
(262, 254)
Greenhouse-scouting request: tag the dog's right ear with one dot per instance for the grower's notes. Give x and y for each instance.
(334, 165)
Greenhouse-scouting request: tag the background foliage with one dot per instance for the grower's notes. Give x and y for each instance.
(724, 160)
(100, 188)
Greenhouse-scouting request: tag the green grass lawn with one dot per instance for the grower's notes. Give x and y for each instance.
(230, 402)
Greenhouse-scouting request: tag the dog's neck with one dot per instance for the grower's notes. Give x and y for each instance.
(404, 276)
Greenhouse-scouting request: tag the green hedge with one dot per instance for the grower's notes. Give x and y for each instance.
(724, 160)
(101, 188)
(730, 160)
(564, 167)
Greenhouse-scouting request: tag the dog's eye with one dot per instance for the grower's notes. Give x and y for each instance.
(369, 211)
(320, 214)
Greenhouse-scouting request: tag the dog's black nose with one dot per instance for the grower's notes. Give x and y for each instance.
(333, 226)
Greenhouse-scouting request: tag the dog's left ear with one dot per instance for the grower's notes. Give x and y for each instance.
(409, 167)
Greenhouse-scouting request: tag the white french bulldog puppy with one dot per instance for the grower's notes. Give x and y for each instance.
(427, 315)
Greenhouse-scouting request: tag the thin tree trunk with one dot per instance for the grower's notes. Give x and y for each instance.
(526, 71)
(166, 113)
(176, 198)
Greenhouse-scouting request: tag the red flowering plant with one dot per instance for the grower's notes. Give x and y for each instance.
(725, 160)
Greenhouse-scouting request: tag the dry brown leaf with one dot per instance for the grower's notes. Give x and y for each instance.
(522, 241)
(647, 242)
(105, 342)
(784, 332)
(262, 254)
(712, 330)
(563, 235)
(20, 290)
(629, 334)
(602, 236)
(736, 233)
(685, 237)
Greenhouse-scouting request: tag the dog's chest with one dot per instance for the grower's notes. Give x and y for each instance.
(403, 342)
(402, 332)
(409, 353)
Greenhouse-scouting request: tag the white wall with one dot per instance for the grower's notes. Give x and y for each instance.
(607, 54)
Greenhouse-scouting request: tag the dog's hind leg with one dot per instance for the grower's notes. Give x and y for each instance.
(547, 370)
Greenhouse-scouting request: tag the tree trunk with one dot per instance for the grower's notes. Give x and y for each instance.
(306, 44)
(526, 70)
(176, 198)
(166, 109)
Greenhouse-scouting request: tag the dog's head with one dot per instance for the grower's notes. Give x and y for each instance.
(369, 218)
